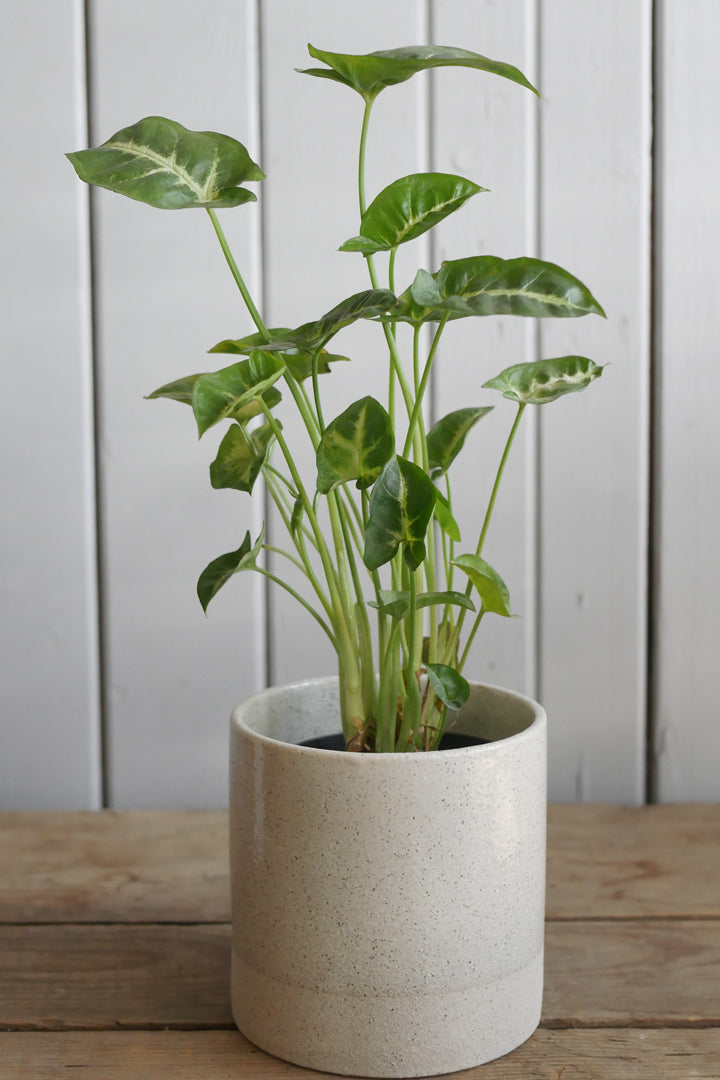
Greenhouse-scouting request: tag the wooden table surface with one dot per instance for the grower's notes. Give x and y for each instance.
(114, 951)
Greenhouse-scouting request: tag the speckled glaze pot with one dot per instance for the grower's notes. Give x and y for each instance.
(387, 909)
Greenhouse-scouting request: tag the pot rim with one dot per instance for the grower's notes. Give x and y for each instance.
(531, 731)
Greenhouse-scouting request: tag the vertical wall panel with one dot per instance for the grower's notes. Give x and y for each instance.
(164, 297)
(312, 127)
(49, 726)
(688, 467)
(484, 130)
(595, 214)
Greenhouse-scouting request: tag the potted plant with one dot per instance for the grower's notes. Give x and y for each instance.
(388, 891)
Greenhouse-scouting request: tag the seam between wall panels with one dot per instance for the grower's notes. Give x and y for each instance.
(533, 472)
(97, 726)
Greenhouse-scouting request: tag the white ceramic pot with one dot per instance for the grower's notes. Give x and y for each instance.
(388, 909)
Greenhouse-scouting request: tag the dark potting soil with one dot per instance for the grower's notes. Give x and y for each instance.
(451, 740)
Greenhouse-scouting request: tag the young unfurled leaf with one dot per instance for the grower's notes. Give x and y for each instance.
(312, 336)
(444, 517)
(487, 285)
(240, 457)
(220, 570)
(545, 380)
(400, 509)
(221, 394)
(182, 390)
(446, 438)
(159, 162)
(409, 207)
(355, 446)
(372, 72)
(449, 685)
(397, 604)
(490, 586)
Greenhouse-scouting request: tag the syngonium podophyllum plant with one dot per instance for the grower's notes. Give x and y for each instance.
(374, 526)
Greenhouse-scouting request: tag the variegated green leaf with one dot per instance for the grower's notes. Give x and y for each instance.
(545, 380)
(446, 438)
(182, 390)
(397, 604)
(355, 446)
(408, 208)
(487, 285)
(159, 162)
(449, 685)
(222, 394)
(312, 336)
(490, 586)
(370, 73)
(400, 509)
(299, 362)
(240, 457)
(220, 570)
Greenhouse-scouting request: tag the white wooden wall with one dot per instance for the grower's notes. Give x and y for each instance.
(114, 689)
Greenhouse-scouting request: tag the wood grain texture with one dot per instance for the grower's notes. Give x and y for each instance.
(221, 1055)
(156, 866)
(621, 862)
(146, 866)
(595, 219)
(598, 974)
(49, 682)
(687, 740)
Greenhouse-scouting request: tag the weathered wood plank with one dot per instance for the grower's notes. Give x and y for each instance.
(156, 866)
(133, 866)
(621, 861)
(218, 1055)
(95, 977)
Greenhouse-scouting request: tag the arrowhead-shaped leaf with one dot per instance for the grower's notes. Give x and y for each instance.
(299, 363)
(182, 390)
(312, 336)
(355, 446)
(545, 380)
(220, 570)
(446, 438)
(372, 72)
(397, 604)
(400, 509)
(159, 162)
(490, 586)
(487, 285)
(222, 394)
(449, 685)
(238, 464)
(408, 208)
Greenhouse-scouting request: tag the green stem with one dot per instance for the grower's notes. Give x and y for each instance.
(421, 387)
(244, 291)
(361, 156)
(300, 599)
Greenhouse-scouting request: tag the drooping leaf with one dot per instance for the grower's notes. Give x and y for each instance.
(312, 336)
(221, 394)
(372, 72)
(159, 162)
(396, 604)
(545, 380)
(444, 517)
(408, 208)
(401, 505)
(487, 285)
(238, 464)
(490, 586)
(182, 390)
(299, 362)
(297, 515)
(449, 685)
(355, 446)
(446, 438)
(220, 570)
